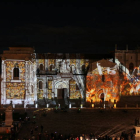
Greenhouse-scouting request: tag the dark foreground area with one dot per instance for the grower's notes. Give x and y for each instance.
(73, 122)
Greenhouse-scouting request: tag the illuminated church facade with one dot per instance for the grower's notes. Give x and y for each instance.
(28, 77)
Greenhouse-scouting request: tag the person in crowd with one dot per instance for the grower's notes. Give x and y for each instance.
(31, 131)
(7, 131)
(41, 129)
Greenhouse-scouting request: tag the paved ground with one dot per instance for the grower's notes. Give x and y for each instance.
(99, 122)
(105, 122)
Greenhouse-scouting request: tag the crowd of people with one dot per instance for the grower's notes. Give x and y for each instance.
(39, 134)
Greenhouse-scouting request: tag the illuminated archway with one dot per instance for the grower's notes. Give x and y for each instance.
(61, 85)
(101, 95)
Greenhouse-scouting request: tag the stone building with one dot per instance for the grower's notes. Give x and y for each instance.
(64, 78)
(129, 66)
(129, 59)
(28, 77)
(18, 73)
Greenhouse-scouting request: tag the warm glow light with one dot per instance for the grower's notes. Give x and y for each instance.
(115, 106)
(92, 105)
(95, 86)
(112, 87)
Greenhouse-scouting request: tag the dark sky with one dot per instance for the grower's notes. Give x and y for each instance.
(89, 27)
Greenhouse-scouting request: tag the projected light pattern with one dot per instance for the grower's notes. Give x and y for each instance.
(19, 81)
(9, 69)
(95, 86)
(131, 85)
(15, 90)
(106, 83)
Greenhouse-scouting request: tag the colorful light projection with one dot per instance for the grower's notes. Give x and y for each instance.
(95, 86)
(49, 89)
(9, 70)
(41, 61)
(73, 62)
(84, 62)
(116, 83)
(40, 94)
(131, 83)
(40, 91)
(15, 90)
(74, 93)
(51, 62)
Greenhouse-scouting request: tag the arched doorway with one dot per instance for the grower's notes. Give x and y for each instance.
(61, 90)
(51, 67)
(41, 66)
(102, 97)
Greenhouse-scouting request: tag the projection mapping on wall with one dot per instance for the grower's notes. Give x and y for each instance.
(107, 82)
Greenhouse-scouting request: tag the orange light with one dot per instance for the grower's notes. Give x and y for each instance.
(115, 105)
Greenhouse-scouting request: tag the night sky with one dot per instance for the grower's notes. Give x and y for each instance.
(75, 27)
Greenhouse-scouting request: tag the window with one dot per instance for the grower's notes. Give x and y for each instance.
(51, 67)
(103, 78)
(41, 66)
(16, 73)
(40, 84)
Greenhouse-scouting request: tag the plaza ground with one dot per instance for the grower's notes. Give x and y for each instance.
(97, 121)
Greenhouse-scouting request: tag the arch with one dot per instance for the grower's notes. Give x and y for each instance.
(61, 84)
(51, 67)
(83, 68)
(41, 67)
(102, 96)
(16, 73)
(131, 67)
(40, 84)
(103, 78)
(61, 89)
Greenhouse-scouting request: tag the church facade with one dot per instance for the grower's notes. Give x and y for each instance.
(28, 77)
